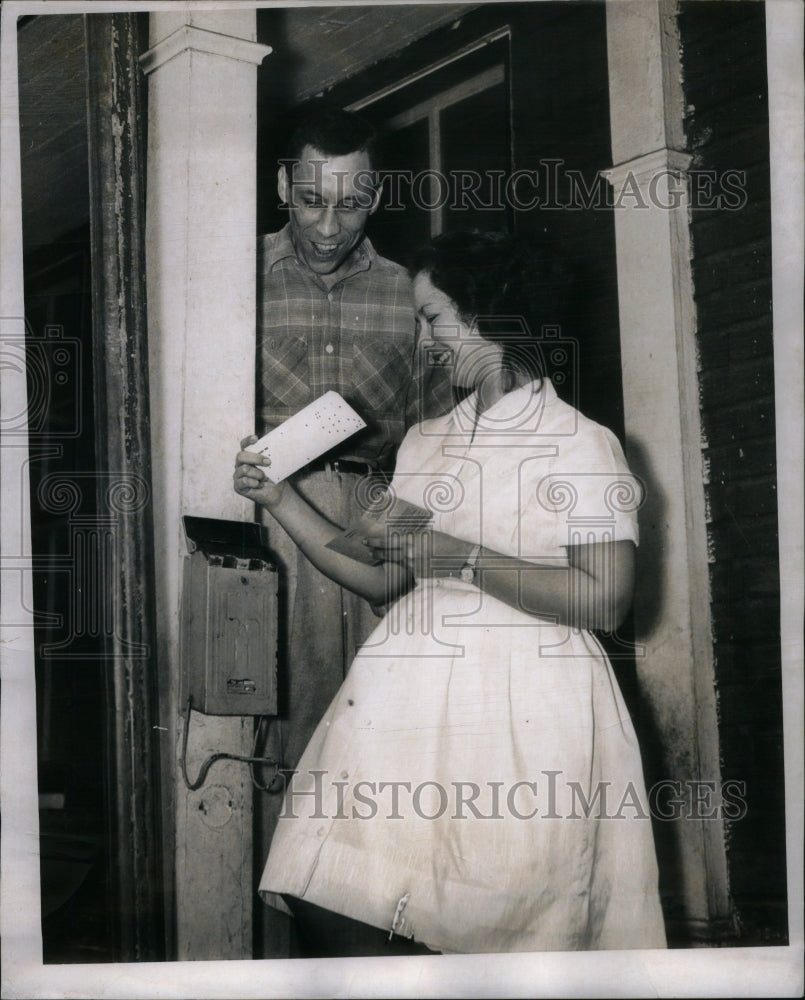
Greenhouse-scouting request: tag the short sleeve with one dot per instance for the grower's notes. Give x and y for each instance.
(588, 494)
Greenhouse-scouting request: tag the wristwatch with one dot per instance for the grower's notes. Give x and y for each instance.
(468, 569)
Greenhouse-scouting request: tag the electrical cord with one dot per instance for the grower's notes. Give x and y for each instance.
(272, 785)
(207, 764)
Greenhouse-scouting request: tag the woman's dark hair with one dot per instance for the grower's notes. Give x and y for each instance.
(506, 286)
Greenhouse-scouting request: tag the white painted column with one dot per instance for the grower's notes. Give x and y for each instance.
(200, 253)
(664, 441)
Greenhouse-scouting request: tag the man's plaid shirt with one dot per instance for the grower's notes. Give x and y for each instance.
(358, 339)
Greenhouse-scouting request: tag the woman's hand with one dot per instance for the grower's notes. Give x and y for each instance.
(391, 527)
(313, 533)
(434, 553)
(250, 480)
(424, 551)
(387, 543)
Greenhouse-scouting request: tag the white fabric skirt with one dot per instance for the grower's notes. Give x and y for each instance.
(475, 784)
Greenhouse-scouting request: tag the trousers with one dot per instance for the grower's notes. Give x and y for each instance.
(320, 628)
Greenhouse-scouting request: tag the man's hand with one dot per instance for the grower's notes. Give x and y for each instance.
(250, 480)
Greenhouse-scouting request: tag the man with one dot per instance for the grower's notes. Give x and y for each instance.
(333, 314)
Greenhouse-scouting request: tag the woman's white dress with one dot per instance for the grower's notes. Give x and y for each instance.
(476, 782)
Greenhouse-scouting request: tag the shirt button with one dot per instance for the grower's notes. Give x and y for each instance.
(329, 348)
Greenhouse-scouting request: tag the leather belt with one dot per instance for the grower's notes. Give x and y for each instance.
(343, 465)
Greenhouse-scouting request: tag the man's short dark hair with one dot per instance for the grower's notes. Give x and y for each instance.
(335, 133)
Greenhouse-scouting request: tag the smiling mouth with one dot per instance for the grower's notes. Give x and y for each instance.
(324, 249)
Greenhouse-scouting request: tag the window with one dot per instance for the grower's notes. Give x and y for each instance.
(447, 146)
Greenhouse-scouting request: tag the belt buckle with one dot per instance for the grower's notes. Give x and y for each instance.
(335, 466)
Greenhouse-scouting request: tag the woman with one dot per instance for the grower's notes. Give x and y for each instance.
(476, 784)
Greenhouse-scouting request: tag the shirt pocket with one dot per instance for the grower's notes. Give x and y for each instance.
(381, 373)
(285, 375)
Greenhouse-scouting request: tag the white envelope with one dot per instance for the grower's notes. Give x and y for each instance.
(302, 438)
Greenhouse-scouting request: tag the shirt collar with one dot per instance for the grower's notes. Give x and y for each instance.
(520, 409)
(281, 247)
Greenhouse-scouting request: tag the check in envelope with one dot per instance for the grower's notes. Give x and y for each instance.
(393, 513)
(308, 434)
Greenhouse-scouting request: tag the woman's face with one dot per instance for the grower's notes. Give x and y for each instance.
(470, 356)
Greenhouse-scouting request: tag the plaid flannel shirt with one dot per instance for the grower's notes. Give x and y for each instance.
(358, 338)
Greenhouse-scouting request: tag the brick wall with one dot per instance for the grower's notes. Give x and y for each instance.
(724, 69)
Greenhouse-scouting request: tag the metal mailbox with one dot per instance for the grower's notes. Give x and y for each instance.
(229, 619)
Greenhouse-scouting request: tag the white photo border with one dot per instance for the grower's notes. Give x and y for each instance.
(773, 971)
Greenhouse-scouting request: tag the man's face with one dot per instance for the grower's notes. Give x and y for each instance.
(329, 200)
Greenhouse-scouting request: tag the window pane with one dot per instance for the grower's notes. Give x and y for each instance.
(475, 145)
(401, 223)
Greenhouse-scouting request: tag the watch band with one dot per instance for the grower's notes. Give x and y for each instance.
(468, 569)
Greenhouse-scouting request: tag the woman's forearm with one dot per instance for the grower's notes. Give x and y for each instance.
(311, 532)
(567, 594)
(593, 592)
